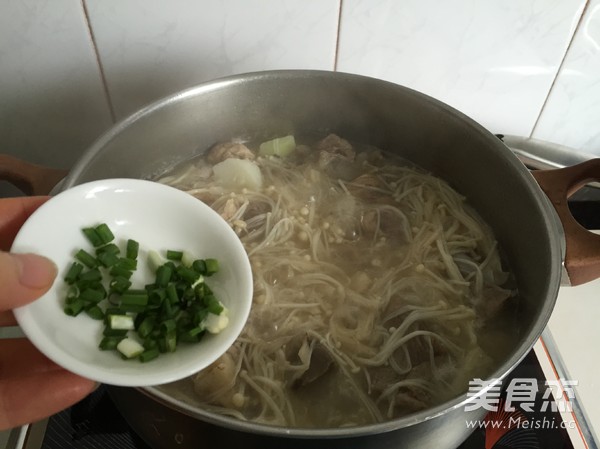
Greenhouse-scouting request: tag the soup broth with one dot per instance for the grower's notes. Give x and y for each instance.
(378, 291)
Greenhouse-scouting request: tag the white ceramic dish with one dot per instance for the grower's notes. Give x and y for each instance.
(159, 218)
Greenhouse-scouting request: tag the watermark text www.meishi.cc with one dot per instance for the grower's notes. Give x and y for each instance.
(518, 422)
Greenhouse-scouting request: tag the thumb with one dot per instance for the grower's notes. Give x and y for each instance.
(23, 278)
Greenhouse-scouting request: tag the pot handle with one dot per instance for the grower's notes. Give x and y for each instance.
(30, 178)
(582, 258)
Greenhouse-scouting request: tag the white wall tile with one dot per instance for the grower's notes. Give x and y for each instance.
(151, 48)
(52, 103)
(494, 61)
(571, 115)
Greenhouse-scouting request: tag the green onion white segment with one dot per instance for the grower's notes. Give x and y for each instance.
(143, 321)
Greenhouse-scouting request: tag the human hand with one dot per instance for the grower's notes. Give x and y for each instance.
(31, 386)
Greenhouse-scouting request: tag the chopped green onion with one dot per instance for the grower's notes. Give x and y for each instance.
(72, 292)
(113, 311)
(171, 291)
(212, 266)
(92, 236)
(121, 322)
(213, 305)
(109, 343)
(156, 298)
(118, 271)
(92, 295)
(174, 255)
(129, 264)
(133, 308)
(130, 348)
(137, 291)
(168, 326)
(91, 275)
(177, 306)
(73, 273)
(200, 266)
(199, 315)
(74, 308)
(163, 275)
(167, 309)
(202, 290)
(86, 258)
(110, 248)
(155, 260)
(107, 259)
(132, 249)
(119, 284)
(187, 259)
(189, 294)
(170, 340)
(134, 299)
(114, 299)
(104, 233)
(216, 323)
(108, 332)
(188, 274)
(149, 354)
(192, 335)
(146, 327)
(95, 312)
(150, 343)
(198, 282)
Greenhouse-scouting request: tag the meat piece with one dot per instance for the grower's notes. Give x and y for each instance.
(492, 300)
(320, 364)
(387, 220)
(412, 400)
(226, 150)
(370, 188)
(367, 180)
(215, 383)
(306, 352)
(334, 144)
(370, 221)
(336, 156)
(381, 378)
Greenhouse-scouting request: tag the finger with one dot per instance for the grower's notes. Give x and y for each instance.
(27, 399)
(18, 356)
(24, 277)
(7, 319)
(13, 213)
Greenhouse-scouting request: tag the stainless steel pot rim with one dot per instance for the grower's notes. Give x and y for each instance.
(343, 432)
(556, 250)
(292, 432)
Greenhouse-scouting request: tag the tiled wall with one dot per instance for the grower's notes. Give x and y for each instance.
(571, 114)
(71, 68)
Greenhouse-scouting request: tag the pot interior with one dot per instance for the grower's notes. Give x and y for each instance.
(393, 118)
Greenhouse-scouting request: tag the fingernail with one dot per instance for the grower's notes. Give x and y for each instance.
(35, 271)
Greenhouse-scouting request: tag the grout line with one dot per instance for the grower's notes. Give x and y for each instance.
(99, 62)
(337, 36)
(560, 66)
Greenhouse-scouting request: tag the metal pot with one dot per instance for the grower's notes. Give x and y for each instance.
(394, 118)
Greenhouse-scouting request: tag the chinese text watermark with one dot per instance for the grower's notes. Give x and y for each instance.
(521, 393)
